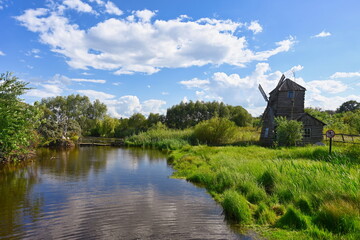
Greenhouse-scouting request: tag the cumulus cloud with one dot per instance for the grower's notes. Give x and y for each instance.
(96, 94)
(111, 8)
(322, 34)
(144, 15)
(2, 53)
(345, 75)
(139, 44)
(194, 83)
(46, 90)
(326, 86)
(255, 27)
(125, 106)
(78, 5)
(328, 103)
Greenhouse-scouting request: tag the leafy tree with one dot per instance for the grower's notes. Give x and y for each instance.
(69, 116)
(18, 119)
(154, 118)
(189, 114)
(215, 131)
(288, 132)
(108, 126)
(348, 106)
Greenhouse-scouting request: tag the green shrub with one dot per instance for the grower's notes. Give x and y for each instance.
(215, 131)
(288, 132)
(293, 219)
(236, 207)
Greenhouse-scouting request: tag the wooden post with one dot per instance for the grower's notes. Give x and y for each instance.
(330, 146)
(330, 134)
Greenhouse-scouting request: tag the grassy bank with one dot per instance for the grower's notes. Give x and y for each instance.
(161, 138)
(293, 193)
(171, 139)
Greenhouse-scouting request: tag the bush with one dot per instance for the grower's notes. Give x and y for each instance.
(288, 132)
(236, 207)
(215, 131)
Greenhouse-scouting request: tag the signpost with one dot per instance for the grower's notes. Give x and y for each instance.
(330, 134)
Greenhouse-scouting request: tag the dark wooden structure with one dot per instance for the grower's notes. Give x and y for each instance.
(287, 100)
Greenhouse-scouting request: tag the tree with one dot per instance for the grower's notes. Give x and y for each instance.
(18, 119)
(189, 114)
(348, 106)
(68, 116)
(288, 132)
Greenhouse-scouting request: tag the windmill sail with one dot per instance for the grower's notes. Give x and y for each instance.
(263, 93)
(282, 79)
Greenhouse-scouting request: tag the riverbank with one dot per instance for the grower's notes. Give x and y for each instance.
(297, 193)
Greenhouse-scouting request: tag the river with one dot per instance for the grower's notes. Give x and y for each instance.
(105, 193)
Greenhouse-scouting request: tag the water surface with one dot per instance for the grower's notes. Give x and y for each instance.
(104, 193)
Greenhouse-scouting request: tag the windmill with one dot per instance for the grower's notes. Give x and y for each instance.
(263, 93)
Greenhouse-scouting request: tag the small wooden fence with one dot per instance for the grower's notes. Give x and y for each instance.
(344, 138)
(100, 141)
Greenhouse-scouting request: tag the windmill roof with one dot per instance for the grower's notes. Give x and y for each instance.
(288, 85)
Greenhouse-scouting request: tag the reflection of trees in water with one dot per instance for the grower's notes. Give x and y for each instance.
(16, 201)
(76, 163)
(147, 154)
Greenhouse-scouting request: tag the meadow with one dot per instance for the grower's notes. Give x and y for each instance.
(282, 193)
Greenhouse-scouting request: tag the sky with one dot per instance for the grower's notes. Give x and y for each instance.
(146, 56)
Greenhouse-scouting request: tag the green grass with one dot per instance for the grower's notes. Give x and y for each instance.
(161, 139)
(301, 190)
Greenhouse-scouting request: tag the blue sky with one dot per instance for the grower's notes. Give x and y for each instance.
(145, 56)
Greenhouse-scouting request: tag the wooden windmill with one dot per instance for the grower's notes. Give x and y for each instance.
(287, 100)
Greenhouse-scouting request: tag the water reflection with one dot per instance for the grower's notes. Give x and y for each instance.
(104, 193)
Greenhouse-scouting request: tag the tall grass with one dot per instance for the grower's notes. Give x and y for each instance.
(161, 138)
(303, 189)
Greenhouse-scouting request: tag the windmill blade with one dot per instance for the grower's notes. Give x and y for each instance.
(281, 80)
(263, 93)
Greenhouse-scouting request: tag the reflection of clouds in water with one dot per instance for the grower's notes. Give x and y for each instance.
(132, 214)
(114, 193)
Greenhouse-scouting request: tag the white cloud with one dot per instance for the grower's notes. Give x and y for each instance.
(153, 106)
(345, 75)
(88, 80)
(96, 94)
(145, 15)
(144, 46)
(255, 27)
(194, 83)
(2, 53)
(34, 53)
(328, 103)
(111, 8)
(78, 5)
(125, 106)
(322, 34)
(326, 86)
(47, 90)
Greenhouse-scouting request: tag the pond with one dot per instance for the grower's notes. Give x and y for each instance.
(105, 193)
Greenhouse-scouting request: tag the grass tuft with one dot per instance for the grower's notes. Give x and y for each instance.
(236, 207)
